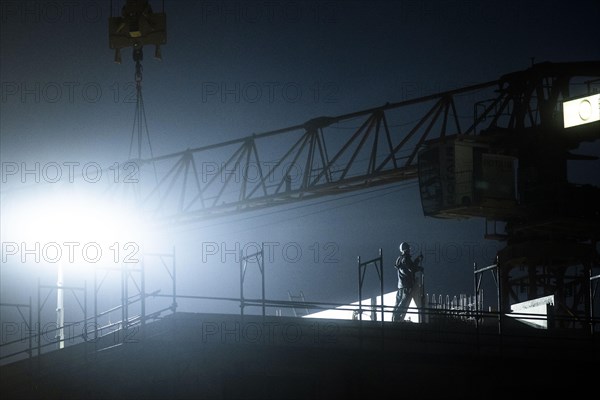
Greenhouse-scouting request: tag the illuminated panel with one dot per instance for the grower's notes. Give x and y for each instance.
(581, 111)
(536, 308)
(347, 312)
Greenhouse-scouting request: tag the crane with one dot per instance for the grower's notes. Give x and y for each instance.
(507, 164)
(497, 150)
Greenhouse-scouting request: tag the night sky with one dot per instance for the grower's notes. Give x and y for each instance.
(65, 100)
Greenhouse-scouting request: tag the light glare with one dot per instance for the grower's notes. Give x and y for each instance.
(71, 217)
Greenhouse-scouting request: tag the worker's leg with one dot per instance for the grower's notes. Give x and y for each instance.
(402, 303)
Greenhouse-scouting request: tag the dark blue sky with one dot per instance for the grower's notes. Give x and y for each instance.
(63, 99)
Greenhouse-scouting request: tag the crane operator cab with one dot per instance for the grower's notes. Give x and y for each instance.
(460, 177)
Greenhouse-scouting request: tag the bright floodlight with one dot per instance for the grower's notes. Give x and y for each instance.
(581, 111)
(75, 217)
(68, 226)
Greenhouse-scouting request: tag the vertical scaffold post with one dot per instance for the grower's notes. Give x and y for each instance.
(143, 294)
(39, 321)
(261, 265)
(30, 330)
(359, 288)
(95, 309)
(476, 292)
(259, 255)
(174, 304)
(362, 268)
(594, 283)
(381, 286)
(85, 318)
(124, 300)
(242, 270)
(500, 286)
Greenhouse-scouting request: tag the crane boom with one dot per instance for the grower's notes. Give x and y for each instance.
(359, 150)
(332, 155)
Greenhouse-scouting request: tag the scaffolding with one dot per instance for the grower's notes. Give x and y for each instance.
(259, 258)
(134, 312)
(362, 269)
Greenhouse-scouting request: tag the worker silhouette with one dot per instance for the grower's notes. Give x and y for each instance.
(407, 285)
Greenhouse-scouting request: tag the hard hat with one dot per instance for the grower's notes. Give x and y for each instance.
(404, 247)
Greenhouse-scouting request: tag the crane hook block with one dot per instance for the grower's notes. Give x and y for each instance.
(137, 26)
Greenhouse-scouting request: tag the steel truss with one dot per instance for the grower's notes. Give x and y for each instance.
(359, 150)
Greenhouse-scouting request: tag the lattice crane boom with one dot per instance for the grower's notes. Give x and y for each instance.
(364, 149)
